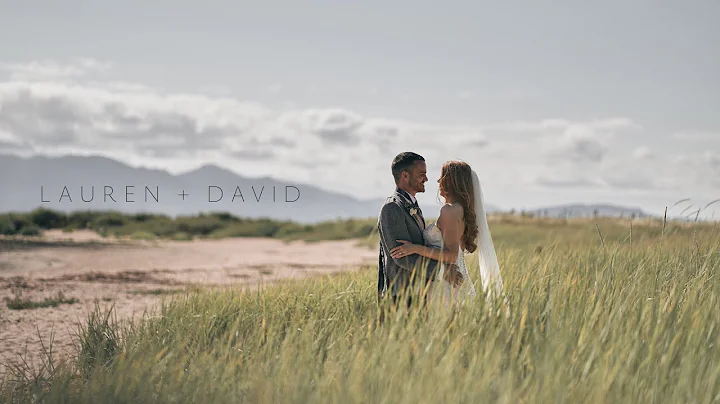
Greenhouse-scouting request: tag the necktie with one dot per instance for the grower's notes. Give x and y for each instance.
(419, 218)
(419, 213)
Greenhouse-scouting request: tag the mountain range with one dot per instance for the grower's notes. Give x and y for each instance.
(75, 182)
(589, 211)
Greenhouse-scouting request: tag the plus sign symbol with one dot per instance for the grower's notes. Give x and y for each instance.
(183, 194)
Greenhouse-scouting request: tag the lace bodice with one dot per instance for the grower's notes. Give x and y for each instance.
(433, 236)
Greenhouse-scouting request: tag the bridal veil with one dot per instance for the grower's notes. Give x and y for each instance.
(489, 267)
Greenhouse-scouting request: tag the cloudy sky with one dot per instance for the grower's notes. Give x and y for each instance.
(609, 101)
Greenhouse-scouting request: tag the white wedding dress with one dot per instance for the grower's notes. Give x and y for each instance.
(442, 290)
(488, 268)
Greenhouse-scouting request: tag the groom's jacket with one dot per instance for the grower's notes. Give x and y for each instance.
(396, 223)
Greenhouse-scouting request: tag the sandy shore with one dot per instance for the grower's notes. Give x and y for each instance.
(134, 275)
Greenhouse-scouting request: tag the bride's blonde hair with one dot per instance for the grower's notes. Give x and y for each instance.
(457, 183)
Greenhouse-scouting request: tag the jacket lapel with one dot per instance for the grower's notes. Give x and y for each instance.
(404, 202)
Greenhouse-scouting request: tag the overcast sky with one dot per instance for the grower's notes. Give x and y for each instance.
(614, 101)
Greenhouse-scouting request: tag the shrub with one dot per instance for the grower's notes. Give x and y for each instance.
(225, 217)
(30, 230)
(201, 225)
(19, 221)
(181, 236)
(7, 226)
(47, 219)
(82, 219)
(111, 219)
(142, 235)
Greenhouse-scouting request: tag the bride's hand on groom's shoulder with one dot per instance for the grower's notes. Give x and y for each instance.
(404, 249)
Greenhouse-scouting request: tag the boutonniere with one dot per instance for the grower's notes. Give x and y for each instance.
(409, 207)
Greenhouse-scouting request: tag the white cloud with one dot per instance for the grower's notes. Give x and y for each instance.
(332, 147)
(579, 155)
(569, 181)
(631, 177)
(713, 158)
(555, 125)
(48, 116)
(643, 153)
(581, 143)
(53, 70)
(9, 139)
(696, 171)
(332, 125)
(645, 172)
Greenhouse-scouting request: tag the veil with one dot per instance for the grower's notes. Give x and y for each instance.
(488, 265)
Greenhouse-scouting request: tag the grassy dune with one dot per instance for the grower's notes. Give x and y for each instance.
(595, 316)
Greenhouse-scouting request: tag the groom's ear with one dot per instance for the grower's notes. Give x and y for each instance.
(399, 178)
(405, 177)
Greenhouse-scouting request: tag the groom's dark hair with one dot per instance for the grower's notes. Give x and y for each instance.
(403, 162)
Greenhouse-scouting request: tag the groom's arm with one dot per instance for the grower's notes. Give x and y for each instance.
(393, 226)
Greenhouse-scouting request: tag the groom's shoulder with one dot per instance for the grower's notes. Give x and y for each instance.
(391, 204)
(392, 200)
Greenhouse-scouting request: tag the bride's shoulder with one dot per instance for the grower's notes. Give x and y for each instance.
(454, 210)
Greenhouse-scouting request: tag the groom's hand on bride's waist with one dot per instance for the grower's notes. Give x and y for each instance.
(404, 249)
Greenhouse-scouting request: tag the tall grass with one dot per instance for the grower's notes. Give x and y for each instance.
(588, 322)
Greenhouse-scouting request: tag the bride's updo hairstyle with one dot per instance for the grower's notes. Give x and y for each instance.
(457, 183)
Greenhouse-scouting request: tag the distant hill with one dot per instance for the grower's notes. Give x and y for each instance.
(55, 183)
(107, 184)
(572, 211)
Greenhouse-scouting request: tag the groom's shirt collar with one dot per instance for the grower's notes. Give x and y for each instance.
(407, 195)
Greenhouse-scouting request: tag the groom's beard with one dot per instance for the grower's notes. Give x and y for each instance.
(418, 187)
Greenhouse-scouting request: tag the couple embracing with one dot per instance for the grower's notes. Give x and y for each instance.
(419, 260)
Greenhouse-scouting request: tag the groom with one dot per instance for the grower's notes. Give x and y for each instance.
(401, 219)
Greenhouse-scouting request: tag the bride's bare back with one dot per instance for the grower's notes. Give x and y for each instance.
(451, 224)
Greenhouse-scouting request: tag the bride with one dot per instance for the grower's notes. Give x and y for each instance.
(461, 227)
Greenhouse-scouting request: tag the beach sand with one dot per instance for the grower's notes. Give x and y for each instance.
(135, 276)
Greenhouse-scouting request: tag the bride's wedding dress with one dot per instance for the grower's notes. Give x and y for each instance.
(488, 268)
(442, 290)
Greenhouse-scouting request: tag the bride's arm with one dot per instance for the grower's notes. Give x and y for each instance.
(449, 224)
